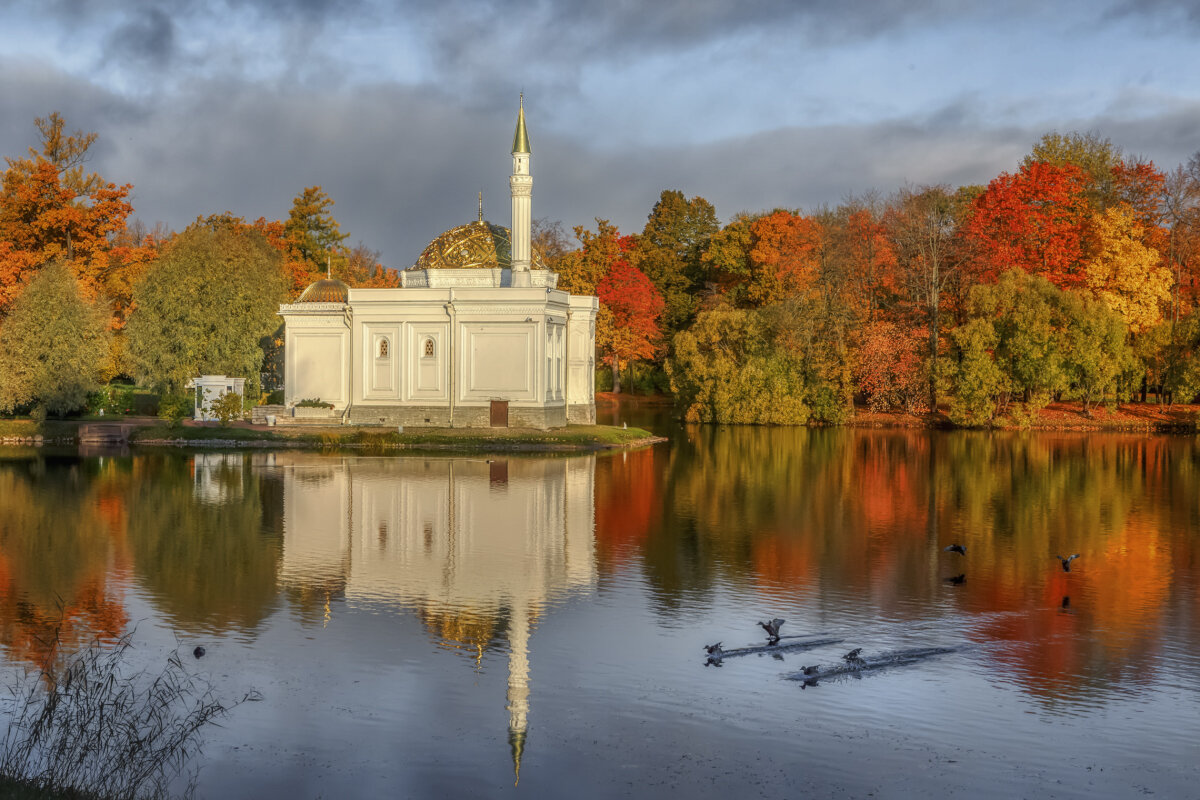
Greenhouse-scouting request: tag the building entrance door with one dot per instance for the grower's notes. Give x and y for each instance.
(499, 413)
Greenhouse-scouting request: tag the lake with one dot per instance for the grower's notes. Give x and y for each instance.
(505, 626)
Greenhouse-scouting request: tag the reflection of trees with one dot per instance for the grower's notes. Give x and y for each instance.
(856, 517)
(56, 549)
(628, 501)
(211, 564)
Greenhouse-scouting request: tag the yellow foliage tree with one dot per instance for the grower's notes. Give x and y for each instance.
(1124, 272)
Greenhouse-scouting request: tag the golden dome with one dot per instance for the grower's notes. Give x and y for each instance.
(326, 290)
(476, 245)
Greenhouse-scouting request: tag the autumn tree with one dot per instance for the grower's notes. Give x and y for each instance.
(670, 253)
(1036, 219)
(635, 306)
(53, 345)
(783, 258)
(870, 255)
(1125, 273)
(205, 305)
(923, 228)
(50, 210)
(890, 368)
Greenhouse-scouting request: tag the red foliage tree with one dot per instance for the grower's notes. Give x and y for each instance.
(1036, 219)
(636, 306)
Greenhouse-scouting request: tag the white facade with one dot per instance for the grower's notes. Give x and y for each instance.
(208, 388)
(492, 343)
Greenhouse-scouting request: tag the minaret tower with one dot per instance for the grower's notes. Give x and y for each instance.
(521, 183)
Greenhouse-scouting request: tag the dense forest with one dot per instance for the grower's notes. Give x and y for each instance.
(1073, 277)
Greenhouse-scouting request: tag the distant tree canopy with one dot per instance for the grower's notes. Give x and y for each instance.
(54, 345)
(205, 306)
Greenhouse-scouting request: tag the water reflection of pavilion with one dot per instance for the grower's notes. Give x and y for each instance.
(477, 548)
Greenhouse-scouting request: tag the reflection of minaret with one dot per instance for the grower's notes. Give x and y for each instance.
(477, 549)
(518, 685)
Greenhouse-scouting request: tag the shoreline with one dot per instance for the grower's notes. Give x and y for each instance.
(151, 432)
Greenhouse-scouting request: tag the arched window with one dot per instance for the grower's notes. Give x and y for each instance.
(428, 348)
(383, 348)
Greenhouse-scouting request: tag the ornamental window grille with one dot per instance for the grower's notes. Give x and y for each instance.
(428, 351)
(383, 348)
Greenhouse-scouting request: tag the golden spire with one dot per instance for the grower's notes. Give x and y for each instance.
(521, 137)
(481, 206)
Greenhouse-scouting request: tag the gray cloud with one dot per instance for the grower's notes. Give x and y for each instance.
(404, 163)
(146, 37)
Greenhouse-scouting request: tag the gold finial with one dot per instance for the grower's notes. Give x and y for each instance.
(328, 267)
(521, 137)
(481, 206)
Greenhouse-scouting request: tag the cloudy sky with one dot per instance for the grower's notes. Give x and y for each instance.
(403, 111)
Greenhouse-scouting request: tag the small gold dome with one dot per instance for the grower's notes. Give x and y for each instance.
(476, 245)
(326, 290)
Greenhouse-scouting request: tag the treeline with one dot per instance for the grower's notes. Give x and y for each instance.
(1072, 277)
(88, 295)
(1075, 276)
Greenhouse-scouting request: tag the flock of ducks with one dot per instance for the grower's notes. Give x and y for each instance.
(854, 660)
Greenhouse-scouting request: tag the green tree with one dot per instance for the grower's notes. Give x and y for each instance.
(671, 250)
(976, 380)
(53, 346)
(205, 306)
(1097, 350)
(312, 232)
(1027, 317)
(775, 365)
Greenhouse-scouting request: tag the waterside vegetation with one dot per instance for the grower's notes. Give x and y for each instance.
(1073, 278)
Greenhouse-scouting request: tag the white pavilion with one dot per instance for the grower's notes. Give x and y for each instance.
(478, 334)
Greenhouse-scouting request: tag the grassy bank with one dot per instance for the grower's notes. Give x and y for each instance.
(1146, 417)
(573, 437)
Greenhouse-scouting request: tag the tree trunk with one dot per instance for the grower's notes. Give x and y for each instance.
(616, 372)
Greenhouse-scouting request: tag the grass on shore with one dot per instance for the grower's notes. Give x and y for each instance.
(571, 437)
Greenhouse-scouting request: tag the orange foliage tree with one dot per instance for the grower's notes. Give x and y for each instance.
(783, 257)
(1035, 219)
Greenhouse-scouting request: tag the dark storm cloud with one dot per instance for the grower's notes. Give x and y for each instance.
(404, 163)
(147, 36)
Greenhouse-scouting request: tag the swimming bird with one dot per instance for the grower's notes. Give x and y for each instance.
(713, 649)
(1066, 562)
(958, 580)
(772, 629)
(853, 657)
(198, 652)
(1066, 601)
(813, 670)
(956, 548)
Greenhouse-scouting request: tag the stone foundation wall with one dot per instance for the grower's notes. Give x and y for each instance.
(581, 414)
(464, 416)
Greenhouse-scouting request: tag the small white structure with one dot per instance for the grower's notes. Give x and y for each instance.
(208, 388)
(478, 334)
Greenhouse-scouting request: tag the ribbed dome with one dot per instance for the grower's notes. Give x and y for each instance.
(326, 290)
(476, 245)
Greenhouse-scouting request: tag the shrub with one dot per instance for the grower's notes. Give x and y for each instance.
(174, 407)
(314, 402)
(227, 407)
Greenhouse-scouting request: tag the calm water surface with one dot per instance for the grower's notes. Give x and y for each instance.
(531, 626)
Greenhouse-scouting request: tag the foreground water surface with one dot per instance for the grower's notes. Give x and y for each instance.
(494, 626)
